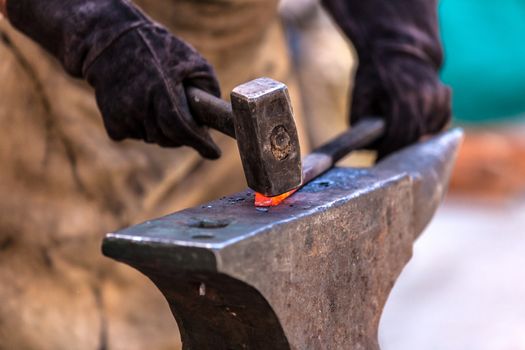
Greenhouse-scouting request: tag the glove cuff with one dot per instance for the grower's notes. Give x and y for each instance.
(75, 31)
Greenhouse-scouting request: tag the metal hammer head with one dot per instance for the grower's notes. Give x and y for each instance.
(267, 136)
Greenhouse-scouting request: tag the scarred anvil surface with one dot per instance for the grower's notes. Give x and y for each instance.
(313, 273)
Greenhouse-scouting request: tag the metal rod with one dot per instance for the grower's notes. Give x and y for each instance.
(361, 135)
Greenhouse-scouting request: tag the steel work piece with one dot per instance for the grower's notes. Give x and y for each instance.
(313, 273)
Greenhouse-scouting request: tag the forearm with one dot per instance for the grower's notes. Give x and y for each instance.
(400, 53)
(74, 31)
(139, 71)
(375, 26)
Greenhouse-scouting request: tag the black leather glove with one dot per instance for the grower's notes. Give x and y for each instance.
(138, 69)
(397, 42)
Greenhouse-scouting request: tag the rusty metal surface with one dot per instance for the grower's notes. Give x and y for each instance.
(313, 273)
(261, 118)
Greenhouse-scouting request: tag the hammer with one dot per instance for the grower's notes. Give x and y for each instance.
(260, 117)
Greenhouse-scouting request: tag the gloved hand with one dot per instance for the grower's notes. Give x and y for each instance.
(399, 51)
(138, 69)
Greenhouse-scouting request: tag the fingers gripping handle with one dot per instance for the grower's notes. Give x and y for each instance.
(211, 111)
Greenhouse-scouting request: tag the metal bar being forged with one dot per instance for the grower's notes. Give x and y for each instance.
(312, 273)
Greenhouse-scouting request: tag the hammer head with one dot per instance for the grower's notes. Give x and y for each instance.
(267, 136)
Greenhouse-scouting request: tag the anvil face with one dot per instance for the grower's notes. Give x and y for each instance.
(312, 273)
(229, 220)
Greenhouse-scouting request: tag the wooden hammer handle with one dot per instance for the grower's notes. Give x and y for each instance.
(211, 111)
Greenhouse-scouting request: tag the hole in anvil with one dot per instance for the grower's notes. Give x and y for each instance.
(202, 236)
(209, 223)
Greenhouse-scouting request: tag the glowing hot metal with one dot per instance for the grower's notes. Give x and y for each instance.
(262, 201)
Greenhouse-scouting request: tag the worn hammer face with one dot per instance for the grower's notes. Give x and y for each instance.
(267, 136)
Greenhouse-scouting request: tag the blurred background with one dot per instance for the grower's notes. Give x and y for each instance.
(64, 183)
(465, 285)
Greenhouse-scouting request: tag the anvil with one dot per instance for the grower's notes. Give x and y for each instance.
(313, 273)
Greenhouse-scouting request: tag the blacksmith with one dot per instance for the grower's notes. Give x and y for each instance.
(64, 182)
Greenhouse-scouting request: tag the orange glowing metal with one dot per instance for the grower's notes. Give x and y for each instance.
(262, 201)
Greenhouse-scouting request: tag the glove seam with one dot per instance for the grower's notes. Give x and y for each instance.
(91, 60)
(141, 20)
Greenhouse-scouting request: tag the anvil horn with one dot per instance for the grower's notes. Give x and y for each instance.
(312, 273)
(429, 164)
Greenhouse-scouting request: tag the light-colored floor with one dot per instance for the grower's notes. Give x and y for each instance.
(464, 289)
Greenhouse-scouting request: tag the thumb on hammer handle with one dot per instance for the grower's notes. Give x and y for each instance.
(211, 111)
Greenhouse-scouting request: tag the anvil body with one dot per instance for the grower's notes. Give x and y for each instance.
(312, 273)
